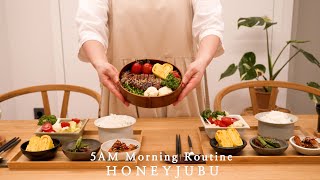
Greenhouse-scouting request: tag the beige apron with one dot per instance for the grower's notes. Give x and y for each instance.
(152, 29)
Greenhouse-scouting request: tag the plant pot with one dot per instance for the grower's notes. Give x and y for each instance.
(263, 98)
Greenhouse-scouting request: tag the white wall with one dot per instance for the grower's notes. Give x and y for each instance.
(28, 54)
(42, 48)
(301, 71)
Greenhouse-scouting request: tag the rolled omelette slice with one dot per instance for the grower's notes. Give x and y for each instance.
(34, 143)
(235, 137)
(46, 143)
(223, 138)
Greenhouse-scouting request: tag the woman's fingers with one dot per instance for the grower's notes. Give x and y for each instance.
(112, 73)
(189, 87)
(190, 80)
(112, 88)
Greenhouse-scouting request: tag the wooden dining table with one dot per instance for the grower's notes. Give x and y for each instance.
(26, 128)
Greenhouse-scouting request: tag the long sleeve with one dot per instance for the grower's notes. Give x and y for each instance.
(207, 20)
(92, 20)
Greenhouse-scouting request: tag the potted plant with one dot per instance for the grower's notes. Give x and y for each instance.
(250, 70)
(314, 98)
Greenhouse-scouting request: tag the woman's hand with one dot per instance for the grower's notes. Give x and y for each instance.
(109, 77)
(207, 49)
(191, 79)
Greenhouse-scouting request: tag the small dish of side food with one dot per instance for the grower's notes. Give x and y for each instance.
(150, 83)
(40, 148)
(306, 145)
(228, 142)
(64, 129)
(222, 120)
(268, 146)
(81, 149)
(121, 148)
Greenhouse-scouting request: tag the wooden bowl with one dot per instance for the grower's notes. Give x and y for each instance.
(150, 102)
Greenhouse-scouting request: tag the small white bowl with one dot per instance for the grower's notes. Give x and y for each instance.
(107, 131)
(121, 156)
(274, 130)
(211, 129)
(305, 151)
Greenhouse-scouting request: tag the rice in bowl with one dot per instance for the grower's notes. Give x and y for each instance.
(115, 121)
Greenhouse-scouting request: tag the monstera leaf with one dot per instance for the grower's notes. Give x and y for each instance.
(308, 56)
(248, 68)
(314, 98)
(255, 21)
(230, 71)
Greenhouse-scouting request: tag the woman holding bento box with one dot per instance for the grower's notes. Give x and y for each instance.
(185, 33)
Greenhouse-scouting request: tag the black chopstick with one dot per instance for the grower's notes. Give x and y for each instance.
(8, 143)
(11, 145)
(179, 146)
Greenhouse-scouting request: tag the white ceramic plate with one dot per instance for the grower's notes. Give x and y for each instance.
(65, 136)
(121, 156)
(211, 129)
(305, 151)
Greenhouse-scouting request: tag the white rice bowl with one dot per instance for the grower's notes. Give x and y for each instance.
(115, 127)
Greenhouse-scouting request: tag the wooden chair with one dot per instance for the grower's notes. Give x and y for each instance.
(43, 89)
(253, 84)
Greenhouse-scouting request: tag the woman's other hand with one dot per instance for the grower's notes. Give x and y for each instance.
(191, 79)
(195, 71)
(109, 77)
(108, 74)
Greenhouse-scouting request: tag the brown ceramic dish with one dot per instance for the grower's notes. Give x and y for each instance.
(149, 102)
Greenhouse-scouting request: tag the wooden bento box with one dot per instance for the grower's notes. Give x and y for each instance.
(147, 101)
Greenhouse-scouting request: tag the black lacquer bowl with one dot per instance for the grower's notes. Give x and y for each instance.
(93, 146)
(227, 150)
(41, 155)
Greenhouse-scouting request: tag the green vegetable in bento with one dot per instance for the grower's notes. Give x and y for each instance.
(133, 89)
(52, 119)
(171, 82)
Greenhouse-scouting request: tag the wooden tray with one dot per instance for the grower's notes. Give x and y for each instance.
(19, 161)
(165, 140)
(249, 156)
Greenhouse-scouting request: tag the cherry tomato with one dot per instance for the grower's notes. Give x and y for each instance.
(46, 127)
(176, 74)
(210, 120)
(147, 68)
(227, 121)
(234, 120)
(136, 68)
(65, 124)
(76, 120)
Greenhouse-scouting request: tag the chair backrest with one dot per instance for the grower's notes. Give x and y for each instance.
(53, 87)
(253, 84)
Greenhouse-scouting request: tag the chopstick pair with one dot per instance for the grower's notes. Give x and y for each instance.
(14, 141)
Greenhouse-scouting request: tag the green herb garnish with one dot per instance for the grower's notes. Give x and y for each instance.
(171, 82)
(52, 119)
